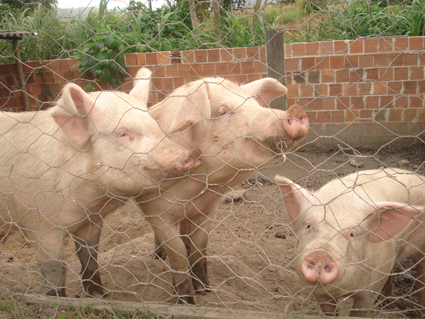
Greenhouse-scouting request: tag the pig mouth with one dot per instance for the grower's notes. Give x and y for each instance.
(277, 144)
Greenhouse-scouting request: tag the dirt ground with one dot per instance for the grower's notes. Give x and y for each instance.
(250, 251)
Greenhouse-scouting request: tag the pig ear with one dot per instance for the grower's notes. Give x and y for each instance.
(71, 114)
(293, 196)
(184, 110)
(265, 90)
(387, 219)
(142, 86)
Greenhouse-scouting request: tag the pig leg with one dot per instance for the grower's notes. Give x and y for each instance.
(86, 244)
(176, 251)
(363, 301)
(198, 231)
(159, 250)
(50, 254)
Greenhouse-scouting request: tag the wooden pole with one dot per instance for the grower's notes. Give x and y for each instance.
(276, 62)
(21, 75)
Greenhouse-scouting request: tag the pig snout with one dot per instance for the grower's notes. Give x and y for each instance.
(319, 267)
(190, 162)
(295, 123)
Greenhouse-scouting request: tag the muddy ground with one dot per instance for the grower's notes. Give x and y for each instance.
(250, 251)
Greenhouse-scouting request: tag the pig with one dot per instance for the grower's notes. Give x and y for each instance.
(62, 170)
(351, 232)
(237, 133)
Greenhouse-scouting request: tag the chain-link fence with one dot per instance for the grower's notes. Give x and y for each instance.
(142, 181)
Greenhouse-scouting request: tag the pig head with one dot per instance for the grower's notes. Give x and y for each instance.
(237, 133)
(65, 168)
(348, 232)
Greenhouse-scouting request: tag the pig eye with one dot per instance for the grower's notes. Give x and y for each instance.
(352, 234)
(222, 110)
(122, 133)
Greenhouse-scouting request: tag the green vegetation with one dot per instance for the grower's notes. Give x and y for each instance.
(102, 37)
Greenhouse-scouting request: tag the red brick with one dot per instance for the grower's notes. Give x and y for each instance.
(253, 53)
(313, 76)
(226, 55)
(357, 103)
(222, 69)
(255, 77)
(213, 55)
(151, 58)
(401, 43)
(416, 102)
(159, 71)
(298, 79)
(417, 73)
(247, 67)
(322, 63)
(350, 89)
(164, 57)
(315, 104)
(234, 67)
(292, 91)
(410, 115)
(351, 61)
(386, 74)
(260, 67)
(312, 116)
(184, 69)
(421, 115)
(401, 74)
(306, 90)
(172, 70)
(168, 83)
(410, 87)
(188, 56)
(201, 56)
(396, 59)
(394, 87)
(372, 102)
(337, 116)
(416, 43)
(386, 44)
(328, 76)
(178, 82)
(379, 88)
(140, 58)
(321, 89)
(335, 89)
(308, 63)
(323, 117)
(328, 103)
(381, 59)
(337, 62)
(356, 46)
(387, 101)
(342, 76)
(312, 48)
(351, 115)
(291, 65)
(421, 60)
(356, 75)
(421, 87)
(366, 61)
(239, 53)
(209, 69)
(298, 49)
(365, 88)
(410, 59)
(372, 74)
(342, 103)
(395, 115)
(263, 53)
(365, 114)
(402, 101)
(371, 45)
(326, 47)
(341, 46)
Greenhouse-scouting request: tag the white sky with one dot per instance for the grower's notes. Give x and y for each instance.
(111, 4)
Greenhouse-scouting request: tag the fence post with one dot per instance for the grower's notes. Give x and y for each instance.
(276, 62)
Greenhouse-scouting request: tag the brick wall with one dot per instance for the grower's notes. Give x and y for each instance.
(365, 92)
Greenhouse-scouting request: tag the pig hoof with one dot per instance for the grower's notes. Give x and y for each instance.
(56, 292)
(188, 300)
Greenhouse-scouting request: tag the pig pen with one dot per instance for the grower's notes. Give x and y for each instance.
(250, 252)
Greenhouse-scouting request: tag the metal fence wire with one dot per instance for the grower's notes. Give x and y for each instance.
(154, 177)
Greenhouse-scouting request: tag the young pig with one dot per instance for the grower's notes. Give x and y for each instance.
(237, 134)
(351, 232)
(64, 169)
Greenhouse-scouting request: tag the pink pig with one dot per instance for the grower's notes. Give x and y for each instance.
(237, 134)
(62, 170)
(351, 232)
